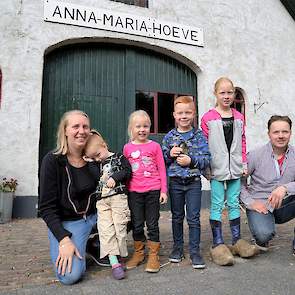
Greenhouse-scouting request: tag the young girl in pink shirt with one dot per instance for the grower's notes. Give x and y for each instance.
(147, 189)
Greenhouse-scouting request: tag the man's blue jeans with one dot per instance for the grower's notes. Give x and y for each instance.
(262, 226)
(80, 230)
(186, 193)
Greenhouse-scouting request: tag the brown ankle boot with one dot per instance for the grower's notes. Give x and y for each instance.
(153, 263)
(138, 255)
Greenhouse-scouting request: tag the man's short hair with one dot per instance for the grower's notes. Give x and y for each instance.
(276, 118)
(184, 99)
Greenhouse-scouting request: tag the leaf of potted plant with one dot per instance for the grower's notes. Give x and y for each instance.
(7, 190)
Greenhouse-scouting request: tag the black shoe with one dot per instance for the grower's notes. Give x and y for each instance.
(129, 226)
(103, 261)
(92, 250)
(176, 255)
(99, 261)
(94, 232)
(263, 247)
(293, 247)
(197, 261)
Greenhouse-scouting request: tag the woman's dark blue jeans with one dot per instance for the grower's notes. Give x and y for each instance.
(186, 194)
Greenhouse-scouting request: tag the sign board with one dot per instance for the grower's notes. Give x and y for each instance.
(77, 15)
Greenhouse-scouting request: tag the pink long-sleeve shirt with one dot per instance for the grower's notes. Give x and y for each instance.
(148, 167)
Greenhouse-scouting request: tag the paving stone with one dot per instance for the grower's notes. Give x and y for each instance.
(25, 266)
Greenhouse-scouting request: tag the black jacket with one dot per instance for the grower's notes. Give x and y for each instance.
(58, 201)
(117, 167)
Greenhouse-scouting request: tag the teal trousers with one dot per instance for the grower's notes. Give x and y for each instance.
(228, 190)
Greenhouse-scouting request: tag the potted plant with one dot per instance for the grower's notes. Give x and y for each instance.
(7, 190)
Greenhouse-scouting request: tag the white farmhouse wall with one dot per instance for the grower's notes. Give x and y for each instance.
(252, 42)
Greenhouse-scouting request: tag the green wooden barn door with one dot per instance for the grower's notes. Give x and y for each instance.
(103, 80)
(163, 77)
(86, 77)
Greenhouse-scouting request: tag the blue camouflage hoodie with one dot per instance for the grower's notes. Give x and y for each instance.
(197, 150)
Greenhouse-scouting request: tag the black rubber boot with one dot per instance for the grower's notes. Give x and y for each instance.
(216, 227)
(220, 253)
(239, 246)
(235, 227)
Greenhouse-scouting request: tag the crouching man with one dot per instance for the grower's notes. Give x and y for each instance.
(270, 195)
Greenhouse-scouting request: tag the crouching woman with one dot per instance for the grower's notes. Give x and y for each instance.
(67, 201)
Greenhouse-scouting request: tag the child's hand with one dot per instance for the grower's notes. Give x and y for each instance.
(111, 182)
(208, 174)
(87, 159)
(183, 160)
(163, 198)
(175, 151)
(245, 172)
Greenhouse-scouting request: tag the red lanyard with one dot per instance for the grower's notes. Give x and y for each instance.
(280, 162)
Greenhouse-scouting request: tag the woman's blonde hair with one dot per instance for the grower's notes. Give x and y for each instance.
(61, 139)
(95, 138)
(133, 116)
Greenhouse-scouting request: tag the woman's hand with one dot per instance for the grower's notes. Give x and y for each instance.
(67, 250)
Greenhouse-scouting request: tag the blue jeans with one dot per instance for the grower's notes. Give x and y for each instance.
(232, 196)
(80, 230)
(262, 226)
(186, 193)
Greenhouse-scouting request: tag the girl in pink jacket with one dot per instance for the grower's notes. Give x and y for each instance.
(224, 128)
(147, 189)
